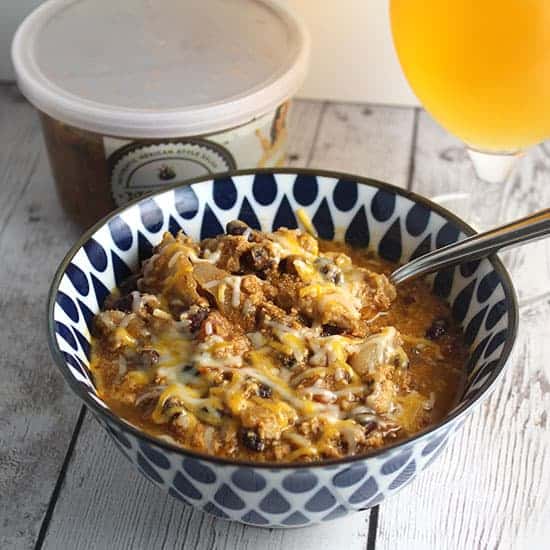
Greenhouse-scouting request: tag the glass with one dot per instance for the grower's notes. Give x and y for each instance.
(482, 69)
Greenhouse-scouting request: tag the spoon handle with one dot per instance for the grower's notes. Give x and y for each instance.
(518, 232)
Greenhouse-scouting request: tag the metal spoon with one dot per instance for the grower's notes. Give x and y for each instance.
(521, 231)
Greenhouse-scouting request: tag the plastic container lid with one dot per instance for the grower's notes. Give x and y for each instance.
(149, 68)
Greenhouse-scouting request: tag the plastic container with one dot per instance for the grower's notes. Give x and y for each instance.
(136, 94)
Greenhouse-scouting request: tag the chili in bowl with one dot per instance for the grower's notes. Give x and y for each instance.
(240, 341)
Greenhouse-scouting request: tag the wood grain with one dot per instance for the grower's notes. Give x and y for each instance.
(105, 503)
(304, 121)
(20, 150)
(491, 488)
(371, 141)
(37, 410)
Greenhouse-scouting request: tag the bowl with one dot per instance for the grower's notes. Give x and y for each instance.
(366, 213)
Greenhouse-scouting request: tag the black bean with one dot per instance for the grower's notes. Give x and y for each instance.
(190, 369)
(408, 299)
(304, 320)
(170, 403)
(369, 427)
(257, 259)
(332, 273)
(197, 318)
(236, 227)
(124, 303)
(439, 328)
(286, 265)
(367, 422)
(251, 440)
(331, 330)
(129, 284)
(264, 391)
(288, 361)
(149, 357)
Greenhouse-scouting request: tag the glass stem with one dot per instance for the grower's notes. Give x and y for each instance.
(481, 202)
(493, 167)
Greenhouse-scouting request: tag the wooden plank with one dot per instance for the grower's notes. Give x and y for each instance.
(490, 488)
(104, 503)
(20, 145)
(305, 117)
(373, 141)
(37, 410)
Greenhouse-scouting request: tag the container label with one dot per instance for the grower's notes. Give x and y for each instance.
(139, 167)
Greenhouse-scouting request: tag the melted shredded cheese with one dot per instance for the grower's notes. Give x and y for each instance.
(330, 383)
(305, 220)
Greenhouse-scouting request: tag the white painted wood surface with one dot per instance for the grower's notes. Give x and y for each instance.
(37, 410)
(105, 503)
(490, 489)
(369, 140)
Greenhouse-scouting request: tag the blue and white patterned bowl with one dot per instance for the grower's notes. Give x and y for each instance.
(397, 224)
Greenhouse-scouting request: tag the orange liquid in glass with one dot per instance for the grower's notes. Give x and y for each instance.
(480, 67)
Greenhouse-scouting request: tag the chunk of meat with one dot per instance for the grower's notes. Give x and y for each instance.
(236, 227)
(169, 272)
(238, 298)
(229, 339)
(119, 329)
(383, 292)
(288, 289)
(384, 390)
(380, 362)
(383, 348)
(269, 423)
(215, 324)
(135, 302)
(207, 276)
(269, 313)
(243, 250)
(330, 306)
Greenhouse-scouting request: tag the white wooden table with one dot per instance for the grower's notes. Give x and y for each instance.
(64, 485)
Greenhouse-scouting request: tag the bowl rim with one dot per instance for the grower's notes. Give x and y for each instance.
(509, 291)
